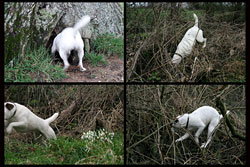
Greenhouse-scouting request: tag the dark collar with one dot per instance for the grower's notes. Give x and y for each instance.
(13, 113)
(187, 122)
(178, 54)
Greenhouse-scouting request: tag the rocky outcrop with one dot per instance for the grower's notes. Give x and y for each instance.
(39, 23)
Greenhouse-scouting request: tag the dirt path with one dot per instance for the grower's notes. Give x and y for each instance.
(112, 72)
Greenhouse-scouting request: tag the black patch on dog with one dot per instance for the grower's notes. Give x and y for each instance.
(9, 106)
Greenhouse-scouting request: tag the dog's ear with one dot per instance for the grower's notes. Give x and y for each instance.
(176, 121)
(9, 106)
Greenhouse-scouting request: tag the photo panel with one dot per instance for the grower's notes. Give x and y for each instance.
(64, 124)
(63, 42)
(186, 42)
(186, 124)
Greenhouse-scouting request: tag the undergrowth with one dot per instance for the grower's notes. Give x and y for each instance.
(152, 39)
(96, 59)
(109, 44)
(65, 150)
(36, 66)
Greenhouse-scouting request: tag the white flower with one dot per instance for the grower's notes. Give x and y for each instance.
(100, 134)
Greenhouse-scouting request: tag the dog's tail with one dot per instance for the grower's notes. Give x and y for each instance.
(52, 118)
(81, 23)
(196, 19)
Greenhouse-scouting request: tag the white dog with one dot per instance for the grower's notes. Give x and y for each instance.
(188, 41)
(199, 119)
(22, 119)
(70, 39)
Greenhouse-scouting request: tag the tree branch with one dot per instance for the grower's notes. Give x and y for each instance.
(223, 110)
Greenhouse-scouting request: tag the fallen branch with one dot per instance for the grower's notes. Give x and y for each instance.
(223, 110)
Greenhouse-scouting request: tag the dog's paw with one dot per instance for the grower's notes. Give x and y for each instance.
(205, 43)
(203, 145)
(177, 140)
(8, 130)
(65, 68)
(82, 69)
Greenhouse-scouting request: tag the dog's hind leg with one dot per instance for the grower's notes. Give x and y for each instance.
(205, 43)
(80, 56)
(49, 133)
(201, 39)
(64, 56)
(210, 132)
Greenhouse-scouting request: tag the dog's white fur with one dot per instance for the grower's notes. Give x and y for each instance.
(188, 41)
(199, 119)
(22, 119)
(70, 39)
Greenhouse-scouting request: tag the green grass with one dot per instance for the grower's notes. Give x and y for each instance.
(154, 77)
(95, 59)
(109, 44)
(122, 5)
(65, 150)
(35, 66)
(104, 46)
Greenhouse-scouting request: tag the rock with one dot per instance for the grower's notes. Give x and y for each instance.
(41, 22)
(86, 45)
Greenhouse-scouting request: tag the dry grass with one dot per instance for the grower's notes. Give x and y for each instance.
(151, 44)
(82, 107)
(152, 108)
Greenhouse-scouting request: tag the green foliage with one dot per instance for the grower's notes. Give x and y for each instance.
(122, 5)
(232, 11)
(65, 150)
(106, 44)
(109, 44)
(95, 59)
(35, 66)
(154, 77)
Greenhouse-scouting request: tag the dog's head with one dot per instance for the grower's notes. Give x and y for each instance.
(180, 121)
(9, 110)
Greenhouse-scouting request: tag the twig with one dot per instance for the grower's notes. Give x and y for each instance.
(193, 67)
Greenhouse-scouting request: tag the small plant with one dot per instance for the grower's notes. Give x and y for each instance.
(96, 59)
(109, 44)
(100, 134)
(154, 77)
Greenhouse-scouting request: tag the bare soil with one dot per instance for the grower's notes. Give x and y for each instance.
(111, 72)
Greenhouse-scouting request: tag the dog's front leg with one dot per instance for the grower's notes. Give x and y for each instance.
(186, 135)
(12, 125)
(198, 133)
